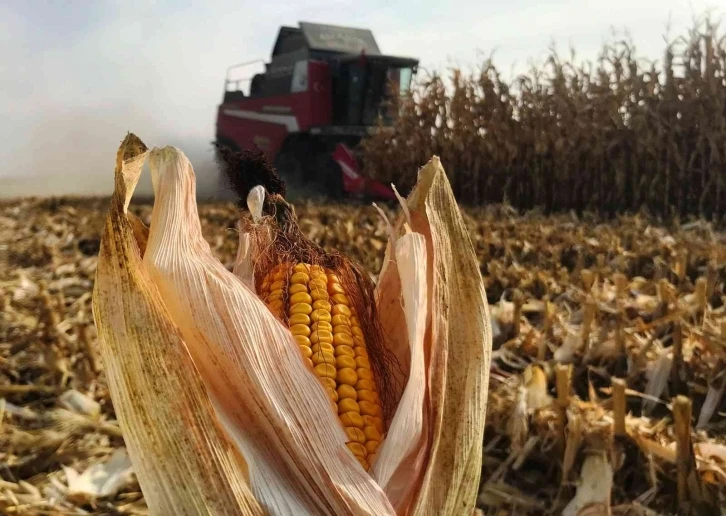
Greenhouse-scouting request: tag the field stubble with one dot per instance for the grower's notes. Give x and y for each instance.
(607, 375)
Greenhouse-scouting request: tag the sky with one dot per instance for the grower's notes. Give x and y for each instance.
(76, 76)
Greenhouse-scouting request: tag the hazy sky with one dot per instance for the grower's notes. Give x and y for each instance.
(75, 76)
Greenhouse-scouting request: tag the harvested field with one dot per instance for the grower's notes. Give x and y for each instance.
(607, 376)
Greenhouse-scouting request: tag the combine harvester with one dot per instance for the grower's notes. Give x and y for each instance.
(320, 94)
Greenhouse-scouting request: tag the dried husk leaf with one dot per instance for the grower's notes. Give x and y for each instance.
(403, 450)
(183, 462)
(459, 336)
(270, 403)
(390, 306)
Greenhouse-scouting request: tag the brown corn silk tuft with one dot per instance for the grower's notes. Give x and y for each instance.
(280, 242)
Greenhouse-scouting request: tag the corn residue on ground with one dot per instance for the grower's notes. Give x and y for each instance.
(607, 380)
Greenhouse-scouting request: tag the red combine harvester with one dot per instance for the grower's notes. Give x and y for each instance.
(319, 96)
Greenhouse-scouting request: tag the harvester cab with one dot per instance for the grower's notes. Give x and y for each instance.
(323, 90)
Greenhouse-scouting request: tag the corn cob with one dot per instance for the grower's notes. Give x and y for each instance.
(321, 317)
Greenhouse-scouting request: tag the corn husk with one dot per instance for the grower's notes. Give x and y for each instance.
(457, 345)
(180, 455)
(286, 448)
(276, 412)
(403, 451)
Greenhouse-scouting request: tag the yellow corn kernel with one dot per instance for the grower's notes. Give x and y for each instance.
(364, 374)
(333, 395)
(335, 288)
(300, 297)
(358, 449)
(366, 407)
(280, 274)
(345, 361)
(299, 277)
(363, 463)
(360, 351)
(319, 294)
(372, 447)
(356, 435)
(317, 285)
(328, 371)
(354, 321)
(364, 395)
(323, 346)
(322, 305)
(302, 340)
(309, 362)
(324, 358)
(347, 392)
(277, 285)
(307, 352)
(300, 329)
(277, 295)
(372, 433)
(373, 421)
(320, 315)
(365, 385)
(321, 336)
(357, 332)
(330, 383)
(352, 419)
(358, 341)
(343, 338)
(300, 308)
(322, 325)
(298, 319)
(341, 319)
(342, 328)
(347, 405)
(361, 361)
(276, 305)
(301, 267)
(341, 299)
(341, 310)
(297, 287)
(343, 350)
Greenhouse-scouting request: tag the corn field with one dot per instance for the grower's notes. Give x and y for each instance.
(618, 135)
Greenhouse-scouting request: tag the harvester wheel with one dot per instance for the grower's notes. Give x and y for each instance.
(329, 176)
(291, 171)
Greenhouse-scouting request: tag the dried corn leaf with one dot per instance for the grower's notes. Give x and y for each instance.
(400, 458)
(263, 393)
(181, 458)
(460, 349)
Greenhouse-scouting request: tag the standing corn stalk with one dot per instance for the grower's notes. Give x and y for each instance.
(292, 385)
(612, 136)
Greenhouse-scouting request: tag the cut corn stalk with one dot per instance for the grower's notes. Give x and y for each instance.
(298, 387)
